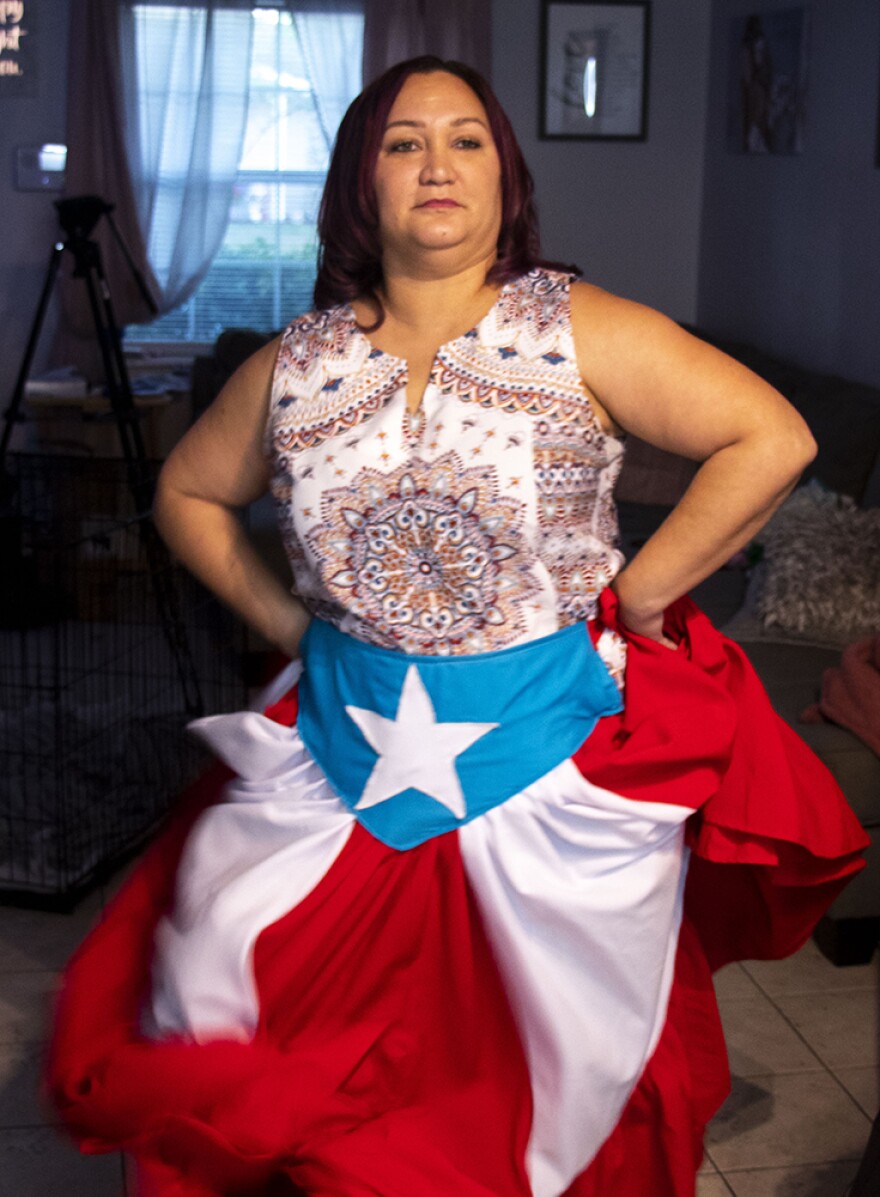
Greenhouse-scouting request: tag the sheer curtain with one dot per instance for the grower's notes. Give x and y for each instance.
(156, 115)
(333, 50)
(186, 71)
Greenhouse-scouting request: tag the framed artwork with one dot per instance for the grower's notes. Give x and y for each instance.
(594, 70)
(768, 82)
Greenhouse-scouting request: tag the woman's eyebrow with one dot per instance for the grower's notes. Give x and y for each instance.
(413, 124)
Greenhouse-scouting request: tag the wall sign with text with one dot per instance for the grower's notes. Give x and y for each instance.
(17, 56)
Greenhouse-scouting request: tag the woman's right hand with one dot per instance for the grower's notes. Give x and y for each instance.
(293, 621)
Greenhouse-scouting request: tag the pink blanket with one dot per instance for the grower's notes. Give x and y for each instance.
(850, 694)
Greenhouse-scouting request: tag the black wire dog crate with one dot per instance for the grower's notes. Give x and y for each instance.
(106, 650)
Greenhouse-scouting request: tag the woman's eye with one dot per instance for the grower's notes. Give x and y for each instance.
(402, 147)
(468, 143)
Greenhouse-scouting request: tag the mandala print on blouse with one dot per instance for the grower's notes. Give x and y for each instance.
(429, 558)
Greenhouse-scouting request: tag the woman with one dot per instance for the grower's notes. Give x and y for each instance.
(436, 940)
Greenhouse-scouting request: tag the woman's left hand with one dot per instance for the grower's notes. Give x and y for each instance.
(647, 624)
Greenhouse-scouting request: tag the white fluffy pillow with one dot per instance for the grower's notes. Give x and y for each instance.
(820, 574)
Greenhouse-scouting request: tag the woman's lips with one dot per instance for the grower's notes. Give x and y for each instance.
(440, 203)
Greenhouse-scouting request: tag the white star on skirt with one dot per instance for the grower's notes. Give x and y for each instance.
(415, 750)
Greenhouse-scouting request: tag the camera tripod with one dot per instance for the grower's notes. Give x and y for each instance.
(78, 218)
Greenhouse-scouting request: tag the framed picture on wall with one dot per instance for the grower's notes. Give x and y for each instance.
(594, 70)
(768, 81)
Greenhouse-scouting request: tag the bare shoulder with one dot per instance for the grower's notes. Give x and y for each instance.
(604, 322)
(222, 456)
(664, 384)
(243, 403)
(618, 340)
(620, 345)
(251, 383)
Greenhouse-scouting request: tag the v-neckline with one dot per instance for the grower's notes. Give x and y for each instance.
(413, 414)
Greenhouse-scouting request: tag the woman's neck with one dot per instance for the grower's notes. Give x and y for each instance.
(433, 308)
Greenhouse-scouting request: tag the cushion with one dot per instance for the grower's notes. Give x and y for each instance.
(819, 578)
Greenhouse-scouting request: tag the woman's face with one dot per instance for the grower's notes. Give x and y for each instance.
(437, 178)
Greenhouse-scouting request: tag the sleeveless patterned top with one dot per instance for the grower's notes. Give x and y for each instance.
(483, 521)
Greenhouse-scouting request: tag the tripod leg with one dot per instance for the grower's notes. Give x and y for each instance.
(140, 478)
(118, 387)
(12, 411)
(119, 384)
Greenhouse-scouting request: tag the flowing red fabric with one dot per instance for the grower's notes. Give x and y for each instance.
(773, 840)
(386, 1062)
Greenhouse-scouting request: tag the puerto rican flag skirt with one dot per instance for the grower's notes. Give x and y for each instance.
(447, 927)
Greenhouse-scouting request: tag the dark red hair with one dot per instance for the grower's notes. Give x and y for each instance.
(350, 253)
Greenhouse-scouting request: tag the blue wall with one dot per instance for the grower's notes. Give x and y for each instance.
(790, 245)
(29, 222)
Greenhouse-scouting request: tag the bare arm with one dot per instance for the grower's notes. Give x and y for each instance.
(217, 468)
(653, 379)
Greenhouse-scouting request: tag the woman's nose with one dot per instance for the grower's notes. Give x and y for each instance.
(437, 167)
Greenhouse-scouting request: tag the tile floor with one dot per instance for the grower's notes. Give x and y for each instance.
(803, 1045)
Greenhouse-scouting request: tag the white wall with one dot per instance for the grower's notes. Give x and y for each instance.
(628, 213)
(790, 254)
(29, 222)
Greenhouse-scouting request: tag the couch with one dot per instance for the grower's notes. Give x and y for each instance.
(843, 484)
(809, 585)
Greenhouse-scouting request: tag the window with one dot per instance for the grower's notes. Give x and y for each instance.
(264, 271)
